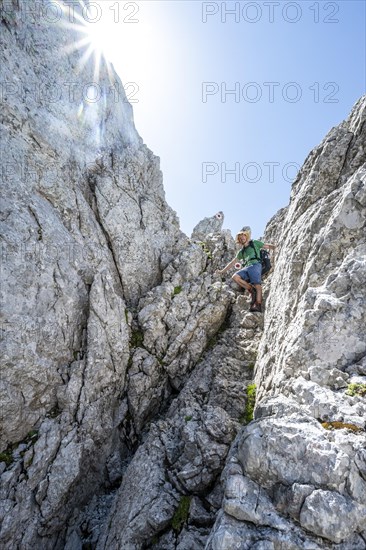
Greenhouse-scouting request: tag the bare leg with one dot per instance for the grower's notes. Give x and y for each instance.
(259, 293)
(241, 282)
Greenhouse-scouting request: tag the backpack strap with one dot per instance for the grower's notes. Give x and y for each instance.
(255, 252)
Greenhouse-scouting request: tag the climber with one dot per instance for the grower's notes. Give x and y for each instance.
(249, 277)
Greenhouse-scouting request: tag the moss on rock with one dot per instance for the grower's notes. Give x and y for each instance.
(356, 389)
(337, 425)
(181, 514)
(248, 414)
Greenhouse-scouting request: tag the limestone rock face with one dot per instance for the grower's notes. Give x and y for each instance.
(208, 225)
(74, 207)
(302, 481)
(86, 232)
(190, 444)
(128, 364)
(111, 368)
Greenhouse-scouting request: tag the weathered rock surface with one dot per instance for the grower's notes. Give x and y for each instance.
(208, 225)
(193, 440)
(108, 310)
(302, 482)
(86, 232)
(126, 360)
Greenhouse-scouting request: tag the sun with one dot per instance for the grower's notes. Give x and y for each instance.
(96, 37)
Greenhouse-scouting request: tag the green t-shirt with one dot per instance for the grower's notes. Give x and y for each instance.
(248, 257)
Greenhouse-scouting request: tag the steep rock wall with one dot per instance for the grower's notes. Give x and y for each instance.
(296, 478)
(126, 361)
(109, 314)
(86, 232)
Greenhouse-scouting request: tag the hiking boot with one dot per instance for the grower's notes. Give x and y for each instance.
(253, 293)
(256, 308)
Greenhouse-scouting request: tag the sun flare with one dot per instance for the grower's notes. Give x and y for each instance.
(95, 40)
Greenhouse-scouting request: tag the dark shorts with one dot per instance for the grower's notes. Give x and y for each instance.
(251, 274)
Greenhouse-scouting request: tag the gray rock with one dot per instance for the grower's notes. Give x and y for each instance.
(193, 439)
(126, 360)
(246, 501)
(208, 225)
(193, 538)
(198, 515)
(61, 234)
(289, 499)
(332, 516)
(305, 448)
(229, 533)
(86, 232)
(328, 377)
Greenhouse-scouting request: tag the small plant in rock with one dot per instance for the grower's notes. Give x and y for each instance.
(31, 436)
(205, 249)
(177, 290)
(181, 514)
(137, 339)
(249, 405)
(7, 455)
(155, 540)
(356, 389)
(54, 413)
(188, 418)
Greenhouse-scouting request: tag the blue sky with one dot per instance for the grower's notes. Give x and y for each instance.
(310, 51)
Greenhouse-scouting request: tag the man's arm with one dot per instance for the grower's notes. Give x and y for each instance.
(270, 246)
(273, 248)
(227, 267)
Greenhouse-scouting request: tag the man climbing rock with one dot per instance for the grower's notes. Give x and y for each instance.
(249, 276)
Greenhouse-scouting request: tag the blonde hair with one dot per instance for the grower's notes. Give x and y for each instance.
(247, 233)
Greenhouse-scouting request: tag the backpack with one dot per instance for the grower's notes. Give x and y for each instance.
(264, 258)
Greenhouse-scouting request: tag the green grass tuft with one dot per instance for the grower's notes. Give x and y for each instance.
(7, 457)
(205, 249)
(248, 414)
(356, 389)
(137, 339)
(181, 514)
(177, 290)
